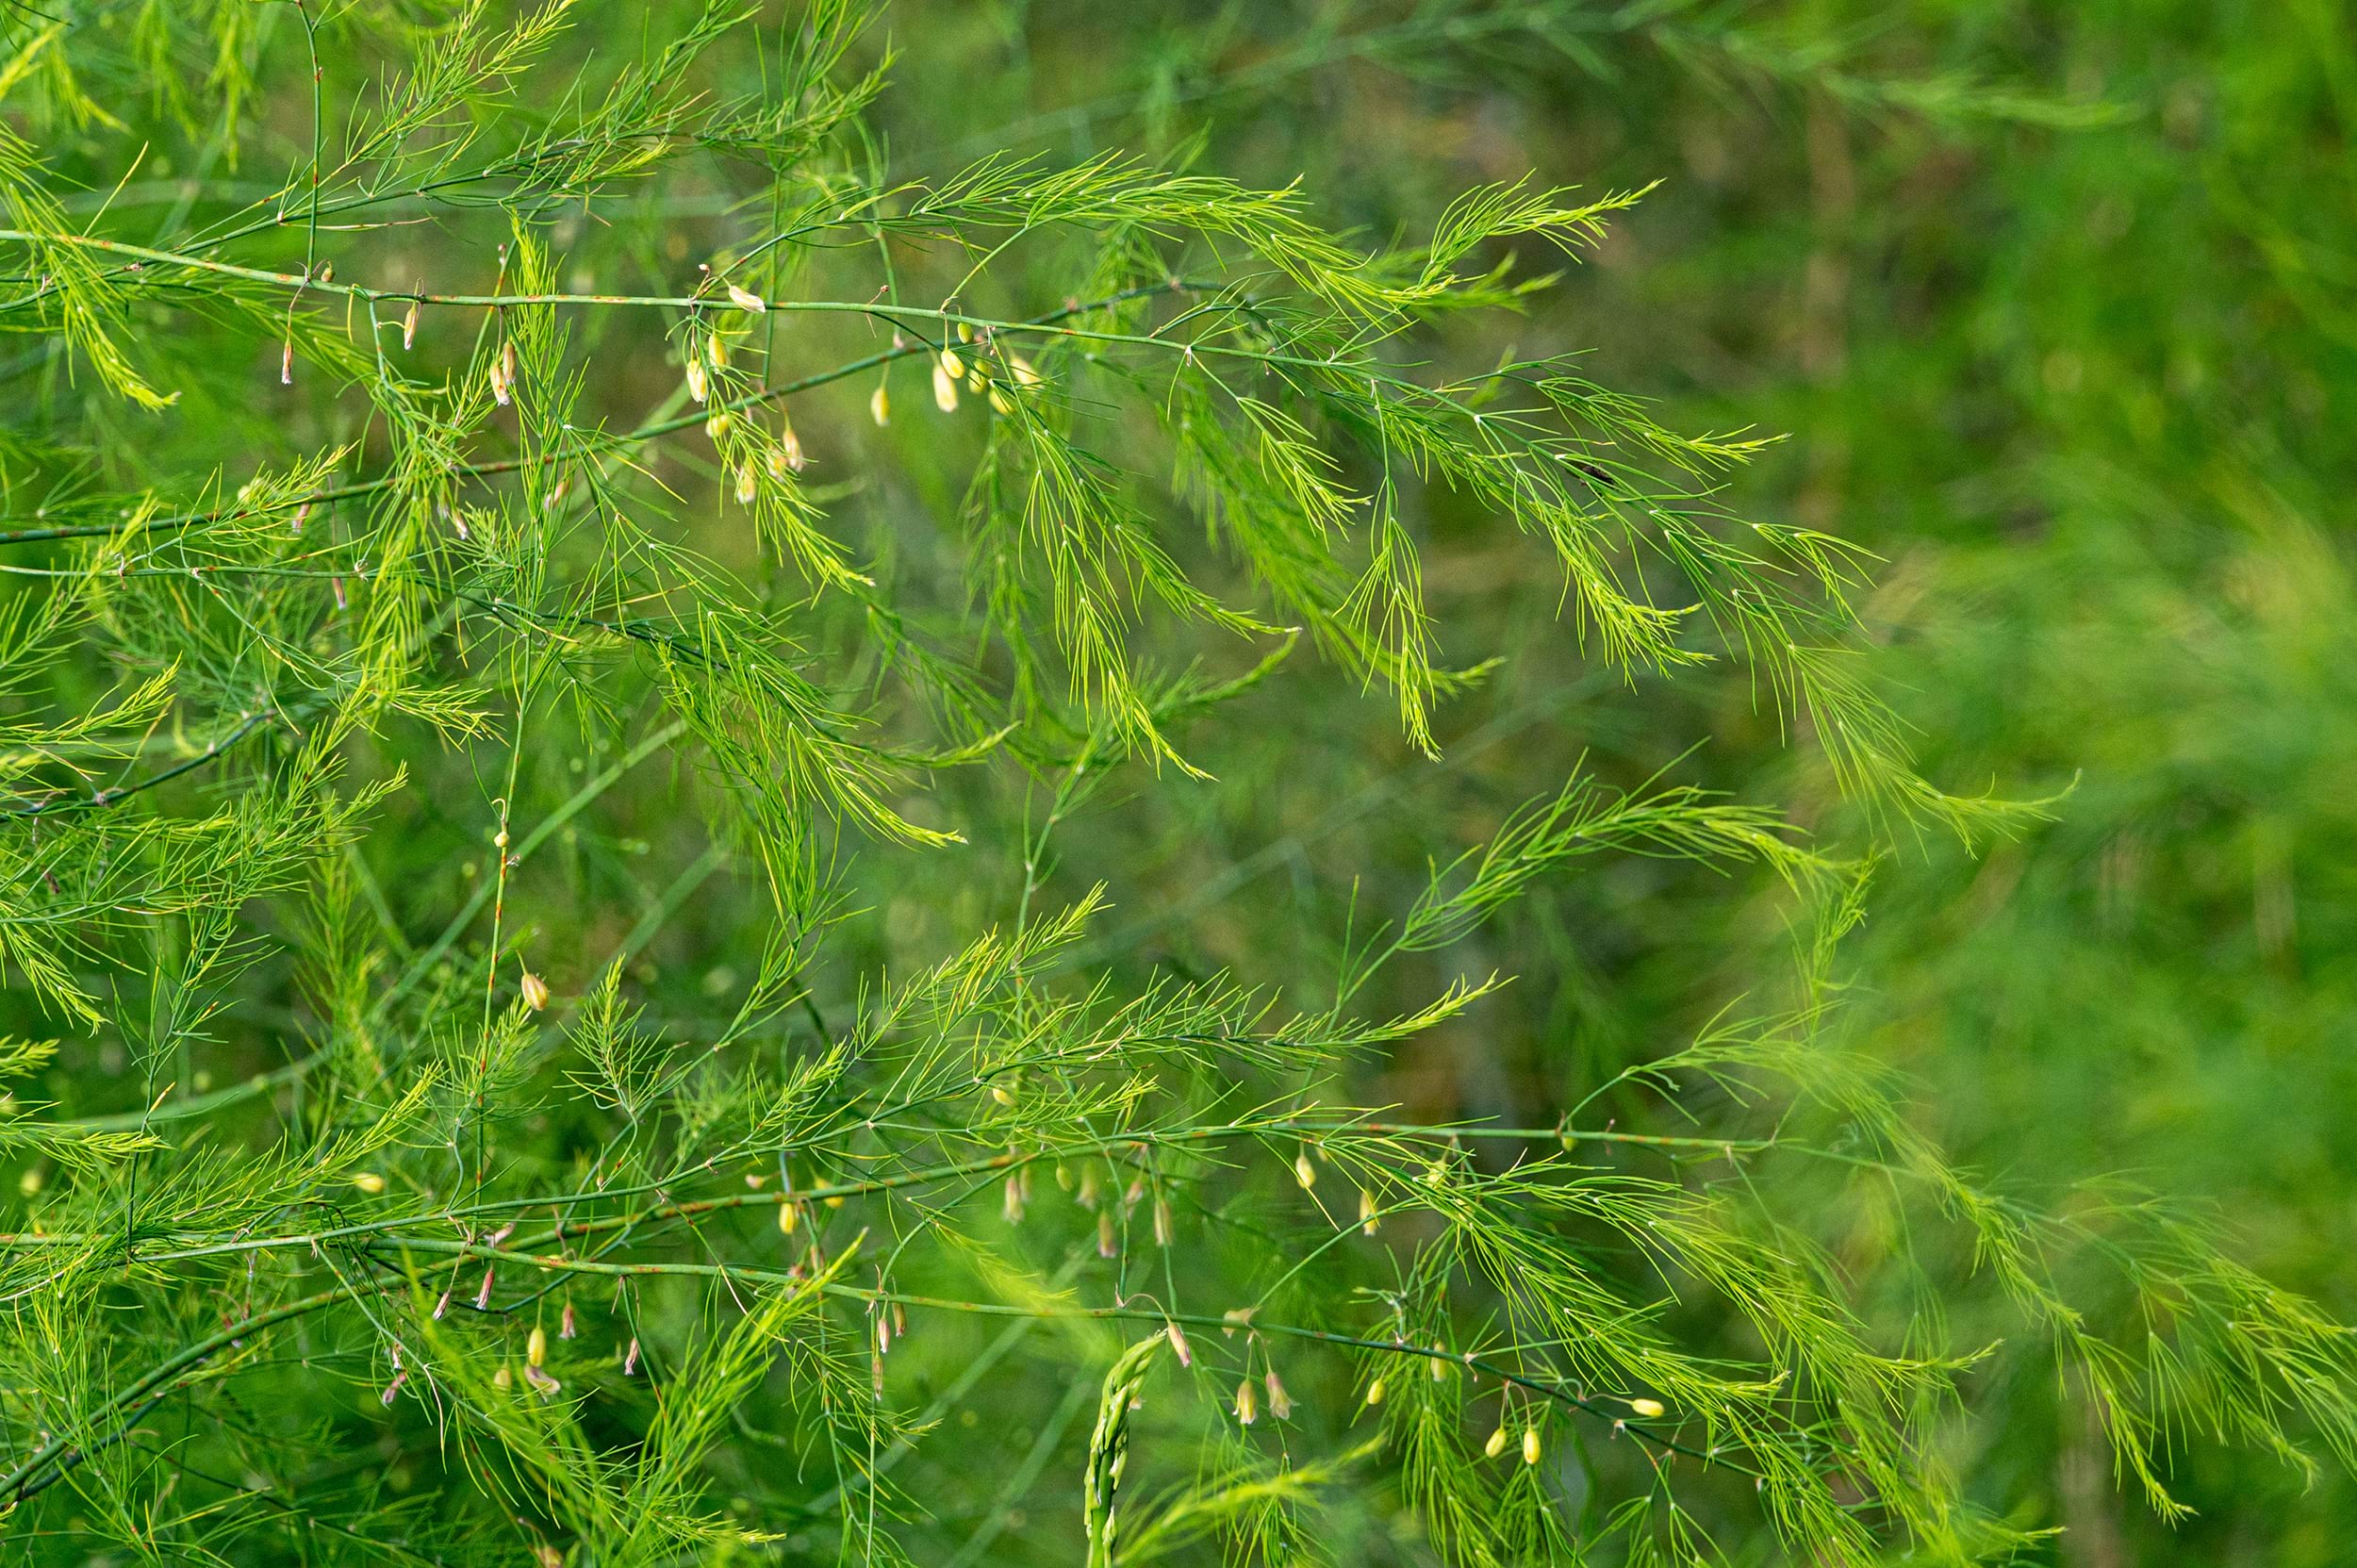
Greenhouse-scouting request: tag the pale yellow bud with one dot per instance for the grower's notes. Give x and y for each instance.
(369, 1182)
(951, 365)
(1248, 1403)
(965, 332)
(1003, 1095)
(503, 1378)
(720, 422)
(1001, 401)
(1105, 1247)
(409, 326)
(1161, 1223)
(1496, 1444)
(747, 485)
(745, 299)
(536, 991)
(1366, 1213)
(1374, 1392)
(536, 1347)
(1646, 1408)
(945, 388)
(1179, 1344)
(717, 350)
(1280, 1404)
(1304, 1172)
(879, 407)
(1025, 376)
(790, 1214)
(699, 383)
(1013, 1208)
(790, 445)
(1530, 1445)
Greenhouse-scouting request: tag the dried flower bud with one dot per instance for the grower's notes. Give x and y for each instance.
(369, 1182)
(285, 364)
(1646, 1408)
(1179, 1344)
(1248, 1403)
(441, 1306)
(536, 991)
(536, 1347)
(1366, 1213)
(483, 1297)
(1530, 1445)
(1161, 1221)
(1105, 1247)
(1304, 1172)
(945, 387)
(1090, 1187)
(326, 272)
(879, 405)
(1235, 1318)
(630, 1359)
(499, 387)
(699, 383)
(409, 326)
(745, 299)
(546, 1386)
(1280, 1404)
(392, 1390)
(565, 1329)
(1496, 1444)
(1013, 1206)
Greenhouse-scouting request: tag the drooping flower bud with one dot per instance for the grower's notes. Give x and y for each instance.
(1304, 1172)
(790, 1214)
(1530, 1445)
(1280, 1404)
(1366, 1213)
(748, 485)
(699, 383)
(1162, 1222)
(1105, 1247)
(565, 1328)
(503, 1378)
(483, 1297)
(879, 405)
(536, 1347)
(717, 424)
(1091, 1189)
(630, 1359)
(536, 991)
(1013, 1206)
(1179, 1344)
(1496, 1444)
(1374, 1392)
(945, 387)
(1025, 376)
(745, 299)
(369, 1182)
(790, 445)
(717, 351)
(409, 326)
(1248, 1403)
(1646, 1408)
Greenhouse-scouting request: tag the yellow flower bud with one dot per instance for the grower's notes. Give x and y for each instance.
(1646, 1408)
(747, 487)
(951, 365)
(1496, 1444)
(1374, 1392)
(879, 407)
(369, 1182)
(717, 350)
(945, 387)
(720, 422)
(790, 1214)
(1530, 1445)
(1248, 1403)
(409, 326)
(699, 385)
(1280, 1404)
(1366, 1213)
(1025, 376)
(745, 299)
(536, 1347)
(536, 991)
(1304, 1172)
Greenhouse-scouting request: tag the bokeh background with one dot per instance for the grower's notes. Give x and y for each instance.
(2054, 304)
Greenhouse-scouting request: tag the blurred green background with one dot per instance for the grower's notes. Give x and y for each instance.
(2055, 305)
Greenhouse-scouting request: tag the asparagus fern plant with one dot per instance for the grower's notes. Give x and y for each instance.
(530, 547)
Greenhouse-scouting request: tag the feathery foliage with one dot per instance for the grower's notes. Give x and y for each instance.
(564, 605)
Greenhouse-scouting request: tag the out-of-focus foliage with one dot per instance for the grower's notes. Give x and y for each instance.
(1142, 770)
